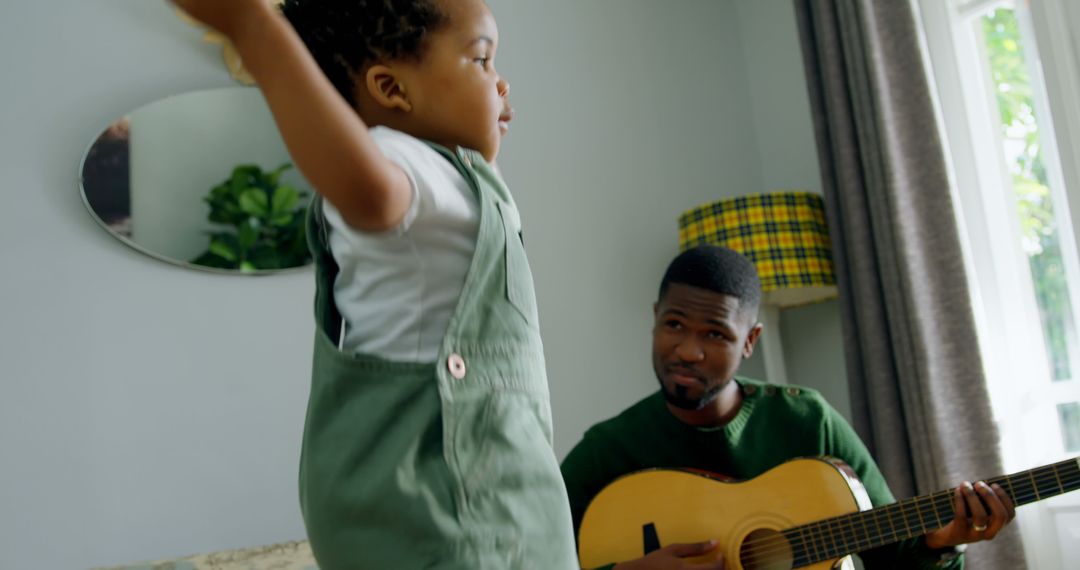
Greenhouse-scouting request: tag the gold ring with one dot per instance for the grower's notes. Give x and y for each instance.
(978, 528)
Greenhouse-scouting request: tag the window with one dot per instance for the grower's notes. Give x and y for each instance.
(1015, 207)
(1007, 46)
(1007, 76)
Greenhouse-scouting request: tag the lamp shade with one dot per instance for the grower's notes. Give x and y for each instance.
(782, 233)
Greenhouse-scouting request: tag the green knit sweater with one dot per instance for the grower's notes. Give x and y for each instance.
(775, 424)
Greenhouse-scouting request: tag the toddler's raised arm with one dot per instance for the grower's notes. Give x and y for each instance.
(327, 138)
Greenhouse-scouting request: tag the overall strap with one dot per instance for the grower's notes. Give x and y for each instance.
(327, 317)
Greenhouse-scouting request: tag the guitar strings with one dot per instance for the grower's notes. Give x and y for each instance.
(774, 545)
(820, 545)
(1031, 485)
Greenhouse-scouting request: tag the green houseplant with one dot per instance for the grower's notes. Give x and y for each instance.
(263, 221)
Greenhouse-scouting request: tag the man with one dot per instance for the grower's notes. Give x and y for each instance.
(705, 417)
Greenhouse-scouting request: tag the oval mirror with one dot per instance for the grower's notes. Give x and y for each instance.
(202, 180)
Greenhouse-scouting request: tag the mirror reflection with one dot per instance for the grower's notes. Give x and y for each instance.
(202, 180)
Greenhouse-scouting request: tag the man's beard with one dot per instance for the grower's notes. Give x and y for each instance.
(680, 400)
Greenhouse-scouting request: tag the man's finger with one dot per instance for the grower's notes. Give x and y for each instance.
(685, 550)
(979, 518)
(1010, 507)
(999, 516)
(718, 565)
(960, 505)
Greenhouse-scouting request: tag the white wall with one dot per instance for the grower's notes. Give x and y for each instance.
(787, 159)
(147, 411)
(634, 112)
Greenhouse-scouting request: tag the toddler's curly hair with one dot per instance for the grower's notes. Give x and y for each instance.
(347, 36)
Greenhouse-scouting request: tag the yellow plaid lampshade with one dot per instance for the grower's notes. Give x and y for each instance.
(783, 233)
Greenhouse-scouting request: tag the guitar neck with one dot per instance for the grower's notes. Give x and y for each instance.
(839, 536)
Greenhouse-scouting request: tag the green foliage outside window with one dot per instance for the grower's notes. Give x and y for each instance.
(1069, 417)
(1034, 205)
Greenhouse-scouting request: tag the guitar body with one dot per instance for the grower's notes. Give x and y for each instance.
(650, 509)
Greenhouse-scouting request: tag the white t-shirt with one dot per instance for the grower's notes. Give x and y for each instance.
(398, 289)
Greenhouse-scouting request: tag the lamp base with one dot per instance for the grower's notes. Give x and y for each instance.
(772, 345)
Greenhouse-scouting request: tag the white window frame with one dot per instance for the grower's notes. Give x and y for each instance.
(1010, 333)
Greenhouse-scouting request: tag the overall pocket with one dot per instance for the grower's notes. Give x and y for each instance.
(519, 282)
(512, 477)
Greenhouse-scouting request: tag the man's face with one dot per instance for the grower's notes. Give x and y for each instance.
(699, 340)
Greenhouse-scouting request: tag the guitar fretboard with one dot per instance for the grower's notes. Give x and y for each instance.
(839, 536)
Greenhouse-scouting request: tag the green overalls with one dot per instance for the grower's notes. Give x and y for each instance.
(448, 464)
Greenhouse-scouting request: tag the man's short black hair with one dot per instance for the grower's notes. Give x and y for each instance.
(717, 269)
(347, 36)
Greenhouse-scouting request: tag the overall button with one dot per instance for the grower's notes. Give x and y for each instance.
(456, 364)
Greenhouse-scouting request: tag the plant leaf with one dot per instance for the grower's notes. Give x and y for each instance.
(247, 235)
(285, 199)
(254, 202)
(241, 178)
(210, 260)
(275, 175)
(222, 250)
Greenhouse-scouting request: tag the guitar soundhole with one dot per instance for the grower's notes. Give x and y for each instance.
(765, 549)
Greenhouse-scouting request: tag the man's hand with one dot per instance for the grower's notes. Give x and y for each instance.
(981, 511)
(221, 15)
(673, 558)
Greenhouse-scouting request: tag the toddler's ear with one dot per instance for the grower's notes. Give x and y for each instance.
(385, 87)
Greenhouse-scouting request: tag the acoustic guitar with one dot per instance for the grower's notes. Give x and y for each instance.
(806, 513)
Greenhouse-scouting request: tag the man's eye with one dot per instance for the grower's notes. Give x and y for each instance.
(673, 324)
(483, 61)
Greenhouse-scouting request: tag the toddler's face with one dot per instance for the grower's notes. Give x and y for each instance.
(458, 98)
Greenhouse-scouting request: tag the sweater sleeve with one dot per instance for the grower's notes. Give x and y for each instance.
(843, 443)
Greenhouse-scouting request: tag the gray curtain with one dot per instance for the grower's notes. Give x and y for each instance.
(917, 389)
